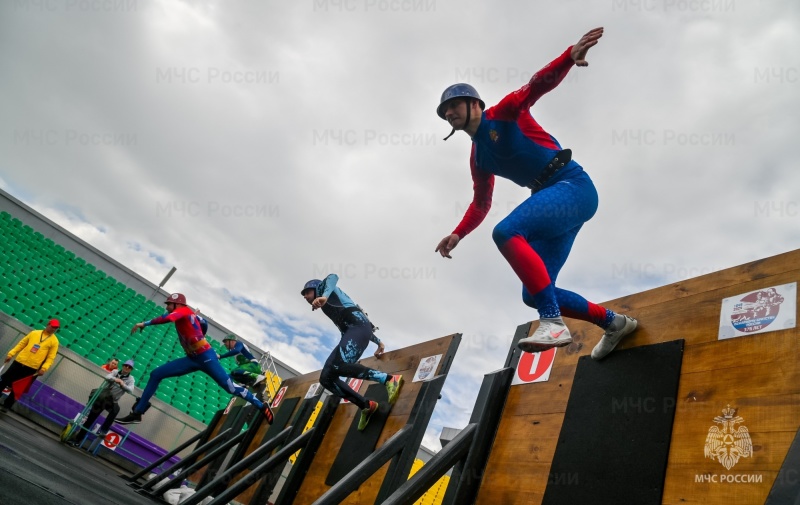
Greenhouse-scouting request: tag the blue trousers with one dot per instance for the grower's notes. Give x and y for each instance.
(536, 239)
(206, 362)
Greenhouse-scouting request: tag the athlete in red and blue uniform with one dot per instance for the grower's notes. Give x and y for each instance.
(199, 356)
(537, 236)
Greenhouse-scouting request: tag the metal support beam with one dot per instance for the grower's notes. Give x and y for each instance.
(303, 461)
(418, 420)
(414, 488)
(185, 461)
(486, 415)
(231, 473)
(342, 489)
(468, 451)
(141, 473)
(279, 458)
(150, 487)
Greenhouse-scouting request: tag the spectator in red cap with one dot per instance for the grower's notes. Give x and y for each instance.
(35, 354)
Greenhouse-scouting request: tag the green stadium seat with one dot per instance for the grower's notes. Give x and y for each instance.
(25, 319)
(16, 307)
(57, 291)
(38, 299)
(66, 336)
(12, 278)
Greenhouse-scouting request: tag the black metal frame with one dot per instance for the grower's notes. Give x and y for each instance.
(201, 438)
(301, 418)
(268, 467)
(221, 444)
(468, 451)
(786, 487)
(152, 487)
(401, 449)
(222, 480)
(188, 460)
(309, 441)
(244, 415)
(514, 352)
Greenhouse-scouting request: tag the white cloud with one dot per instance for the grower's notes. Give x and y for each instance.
(131, 128)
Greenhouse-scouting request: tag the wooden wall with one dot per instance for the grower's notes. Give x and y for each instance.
(758, 375)
(403, 361)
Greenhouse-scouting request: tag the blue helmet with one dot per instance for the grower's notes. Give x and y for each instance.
(460, 90)
(312, 284)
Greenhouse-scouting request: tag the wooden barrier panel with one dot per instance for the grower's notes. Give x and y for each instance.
(750, 381)
(402, 361)
(231, 418)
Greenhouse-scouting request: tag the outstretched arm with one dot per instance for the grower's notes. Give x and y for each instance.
(547, 78)
(580, 49)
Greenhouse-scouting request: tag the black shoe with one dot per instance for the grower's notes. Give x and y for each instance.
(3, 408)
(132, 418)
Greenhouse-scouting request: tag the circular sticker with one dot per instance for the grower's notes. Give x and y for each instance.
(756, 311)
(111, 440)
(426, 367)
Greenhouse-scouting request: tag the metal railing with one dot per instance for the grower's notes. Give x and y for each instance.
(72, 377)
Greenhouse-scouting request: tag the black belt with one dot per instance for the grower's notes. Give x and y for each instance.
(557, 163)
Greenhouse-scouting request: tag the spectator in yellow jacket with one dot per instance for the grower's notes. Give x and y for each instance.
(35, 354)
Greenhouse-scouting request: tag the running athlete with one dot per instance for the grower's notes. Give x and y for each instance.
(247, 371)
(537, 236)
(199, 356)
(357, 332)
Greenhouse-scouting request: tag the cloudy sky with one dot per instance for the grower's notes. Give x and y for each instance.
(257, 144)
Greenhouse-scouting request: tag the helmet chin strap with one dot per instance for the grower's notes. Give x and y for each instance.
(466, 123)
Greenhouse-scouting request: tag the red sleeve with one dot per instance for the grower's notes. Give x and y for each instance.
(483, 186)
(171, 317)
(542, 81)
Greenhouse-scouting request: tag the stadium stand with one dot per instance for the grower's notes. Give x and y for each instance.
(42, 280)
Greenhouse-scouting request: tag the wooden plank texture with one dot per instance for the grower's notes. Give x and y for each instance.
(757, 375)
(402, 361)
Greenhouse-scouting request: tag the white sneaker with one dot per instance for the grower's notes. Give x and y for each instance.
(550, 333)
(259, 379)
(611, 338)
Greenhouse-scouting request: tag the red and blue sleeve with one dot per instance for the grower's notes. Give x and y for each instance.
(482, 188)
(542, 81)
(166, 318)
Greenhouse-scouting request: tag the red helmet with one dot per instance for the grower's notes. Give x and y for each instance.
(176, 298)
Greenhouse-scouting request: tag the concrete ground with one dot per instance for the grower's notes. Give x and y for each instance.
(36, 469)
